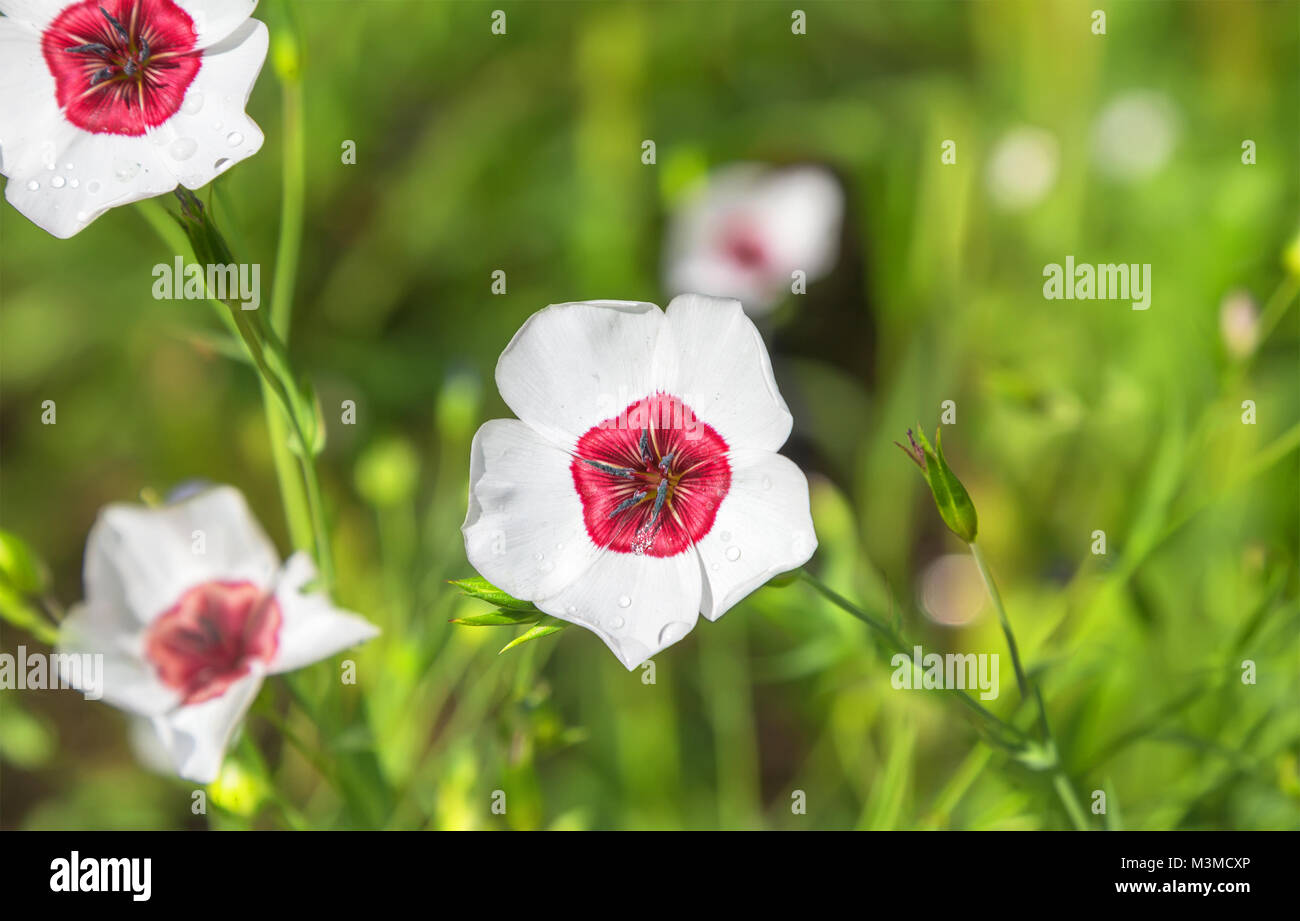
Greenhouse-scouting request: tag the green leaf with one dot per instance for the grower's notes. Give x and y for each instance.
(499, 618)
(483, 590)
(20, 566)
(548, 626)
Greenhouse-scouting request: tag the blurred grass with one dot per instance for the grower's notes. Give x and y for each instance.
(522, 152)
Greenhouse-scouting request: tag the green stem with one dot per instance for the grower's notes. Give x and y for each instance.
(1061, 782)
(305, 507)
(996, 597)
(897, 645)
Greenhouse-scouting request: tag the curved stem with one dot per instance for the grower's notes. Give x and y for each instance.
(1060, 782)
(897, 645)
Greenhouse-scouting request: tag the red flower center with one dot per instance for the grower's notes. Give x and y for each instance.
(744, 246)
(121, 66)
(651, 478)
(208, 639)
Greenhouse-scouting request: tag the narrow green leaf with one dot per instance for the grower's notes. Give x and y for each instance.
(499, 618)
(548, 626)
(483, 590)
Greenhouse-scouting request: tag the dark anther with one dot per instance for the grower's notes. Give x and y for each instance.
(645, 445)
(117, 26)
(623, 472)
(627, 503)
(101, 75)
(95, 48)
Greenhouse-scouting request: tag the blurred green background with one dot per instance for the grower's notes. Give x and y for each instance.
(522, 152)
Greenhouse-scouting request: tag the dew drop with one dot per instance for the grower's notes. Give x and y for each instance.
(57, 182)
(94, 187)
(193, 103)
(32, 185)
(234, 139)
(74, 183)
(125, 170)
(624, 601)
(725, 536)
(767, 482)
(82, 217)
(733, 553)
(616, 623)
(221, 163)
(570, 610)
(183, 148)
(673, 632)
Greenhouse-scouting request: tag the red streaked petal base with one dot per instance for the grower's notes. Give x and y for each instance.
(651, 478)
(211, 637)
(121, 66)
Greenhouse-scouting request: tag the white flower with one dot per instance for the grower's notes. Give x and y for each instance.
(747, 229)
(190, 608)
(640, 486)
(106, 102)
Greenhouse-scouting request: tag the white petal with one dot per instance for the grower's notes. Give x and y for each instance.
(637, 604)
(571, 366)
(142, 559)
(210, 132)
(36, 14)
(215, 19)
(801, 210)
(312, 629)
(711, 356)
(126, 680)
(763, 528)
(524, 531)
(197, 735)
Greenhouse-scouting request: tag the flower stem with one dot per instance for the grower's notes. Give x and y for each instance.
(1061, 783)
(896, 644)
(304, 505)
(996, 598)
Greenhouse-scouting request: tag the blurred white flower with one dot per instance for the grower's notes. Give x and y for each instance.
(1239, 324)
(749, 227)
(639, 487)
(1135, 134)
(1022, 167)
(106, 102)
(190, 608)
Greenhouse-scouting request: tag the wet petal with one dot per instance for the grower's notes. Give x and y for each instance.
(763, 528)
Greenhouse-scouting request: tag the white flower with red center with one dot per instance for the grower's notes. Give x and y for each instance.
(106, 102)
(191, 609)
(639, 486)
(749, 228)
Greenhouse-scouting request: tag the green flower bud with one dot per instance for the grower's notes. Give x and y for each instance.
(950, 497)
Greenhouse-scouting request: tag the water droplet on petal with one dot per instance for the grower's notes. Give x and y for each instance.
(32, 185)
(193, 102)
(673, 632)
(183, 148)
(725, 536)
(767, 482)
(733, 553)
(234, 139)
(624, 601)
(125, 170)
(94, 187)
(616, 623)
(57, 182)
(570, 610)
